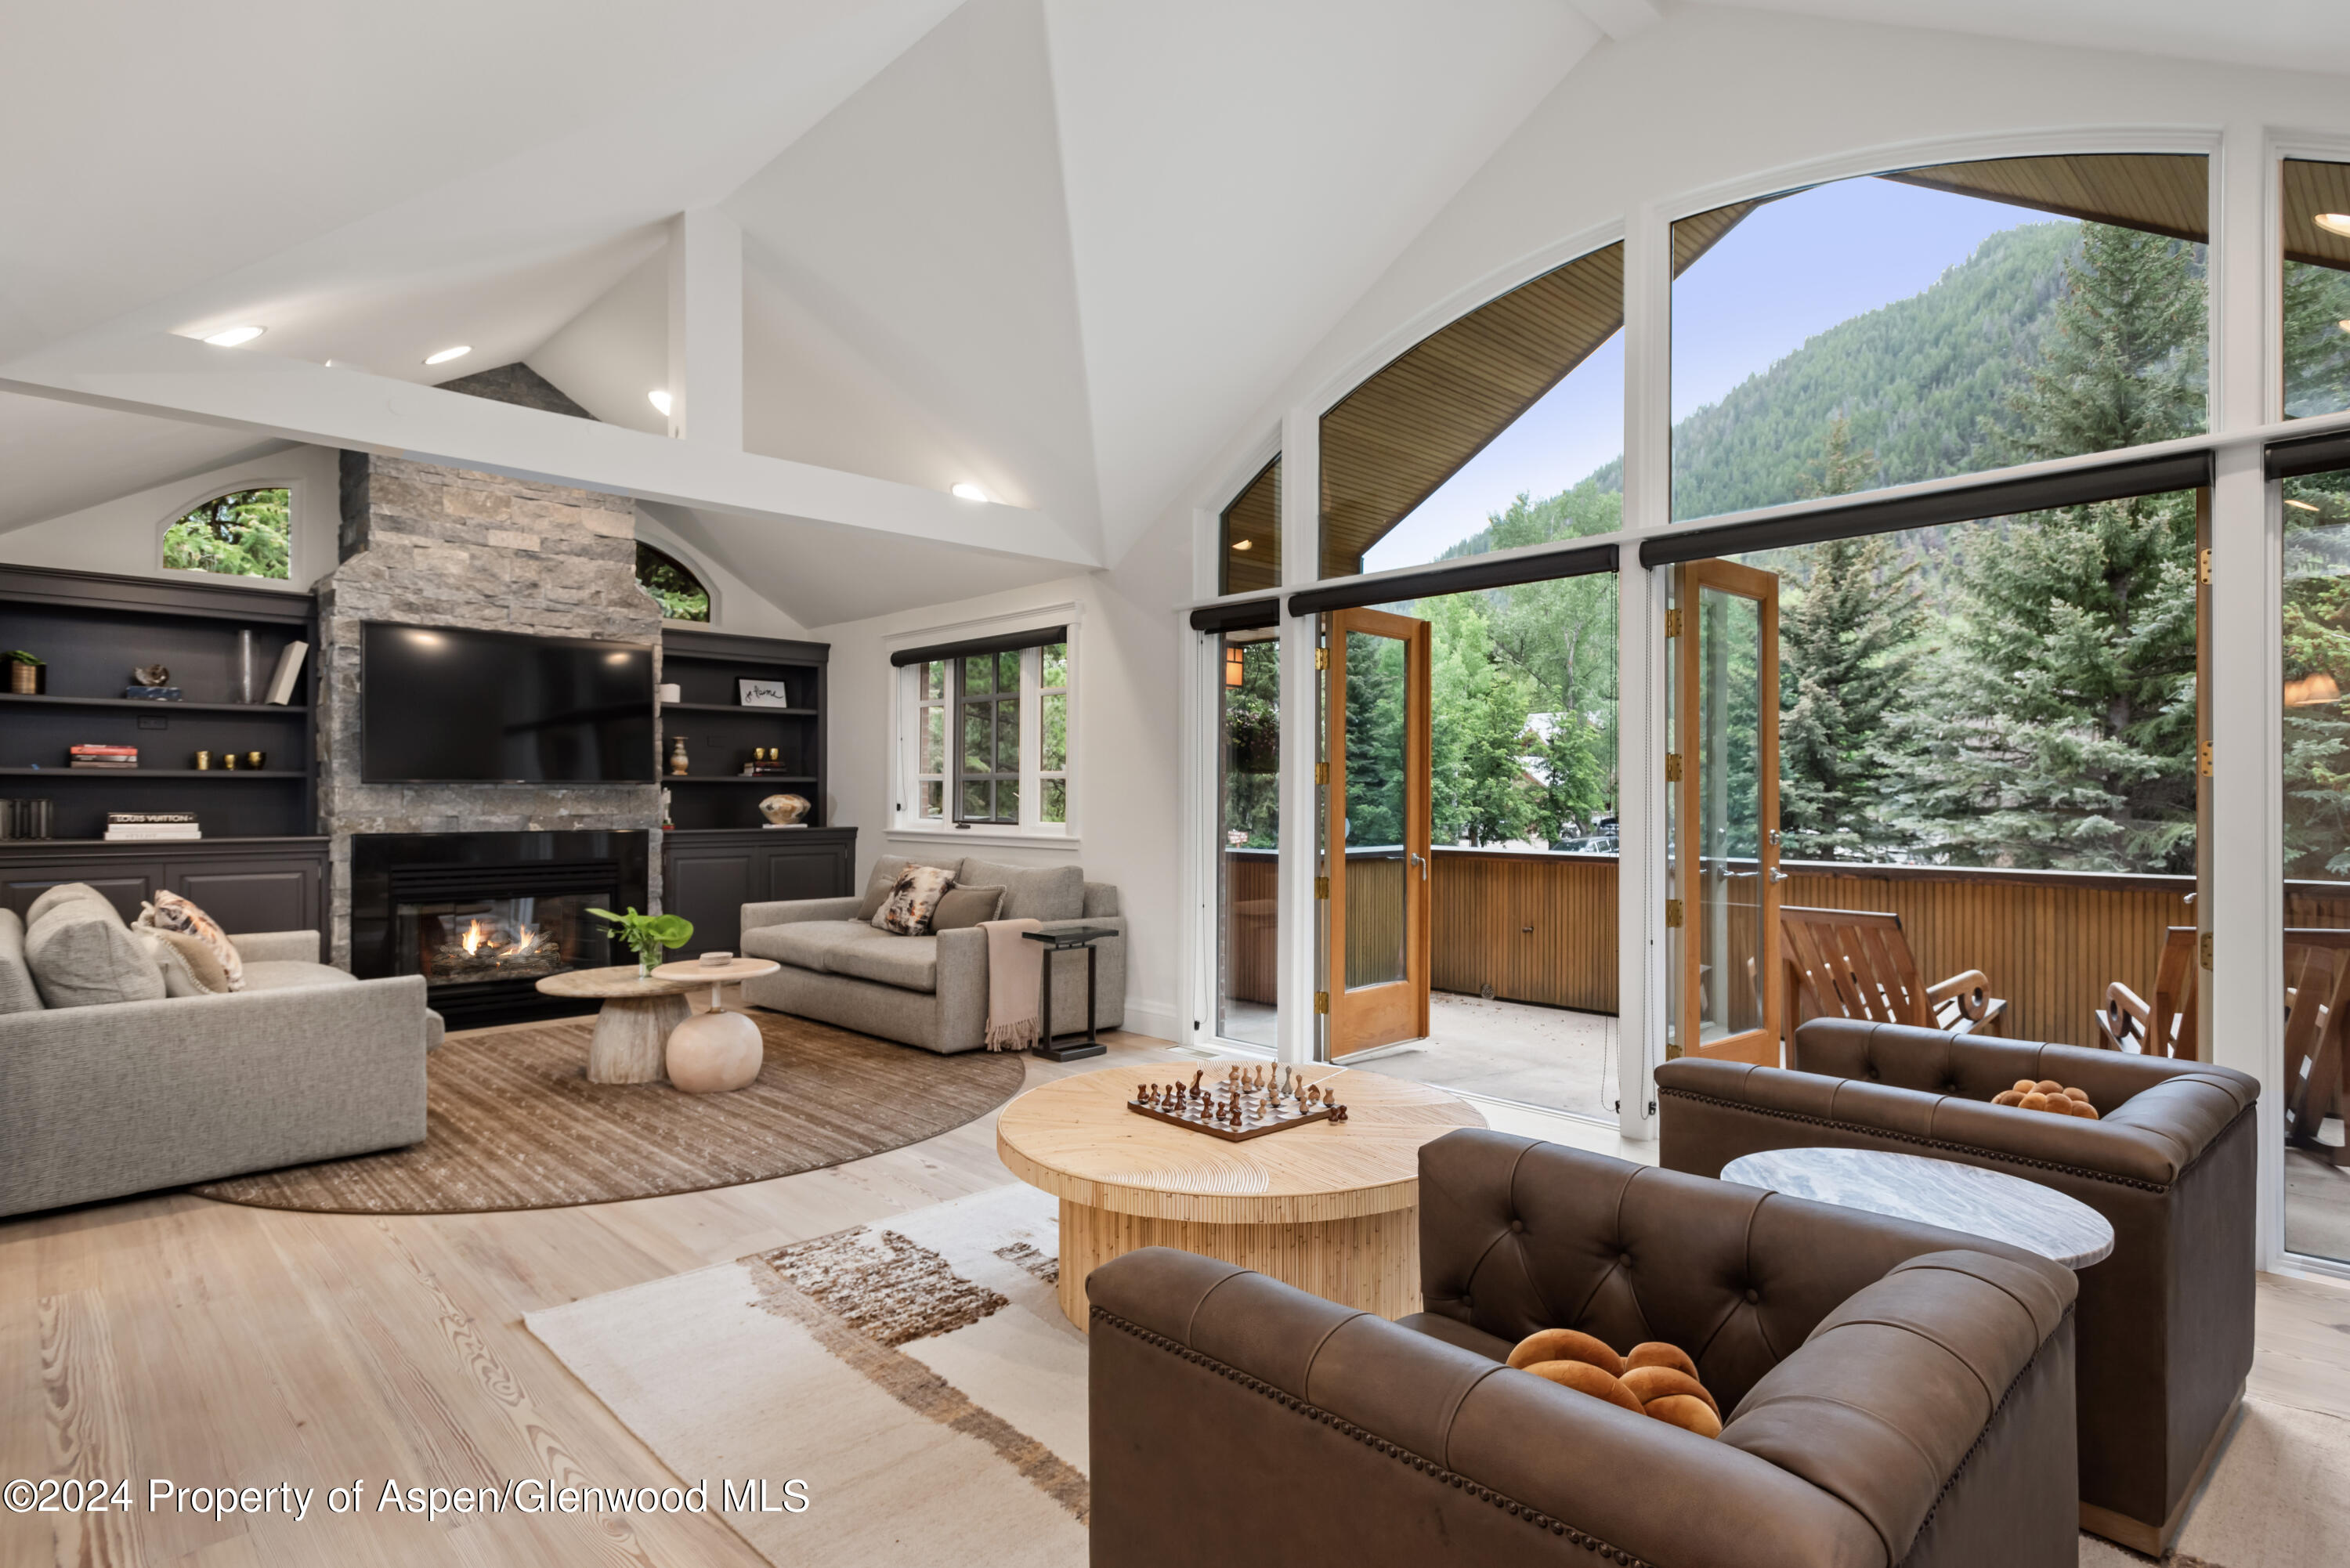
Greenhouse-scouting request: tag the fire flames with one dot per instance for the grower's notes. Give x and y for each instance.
(527, 943)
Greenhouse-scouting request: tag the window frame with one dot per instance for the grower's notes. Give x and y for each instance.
(912, 707)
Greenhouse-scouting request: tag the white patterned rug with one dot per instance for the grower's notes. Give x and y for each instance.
(918, 1375)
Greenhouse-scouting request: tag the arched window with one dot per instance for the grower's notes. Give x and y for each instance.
(243, 533)
(672, 584)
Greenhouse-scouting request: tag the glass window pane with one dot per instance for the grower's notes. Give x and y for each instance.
(1055, 803)
(1053, 725)
(1055, 665)
(1907, 326)
(1248, 824)
(1250, 557)
(1375, 810)
(978, 675)
(1007, 735)
(934, 740)
(933, 797)
(1007, 671)
(975, 795)
(1504, 428)
(934, 678)
(978, 729)
(2316, 288)
(1729, 927)
(1007, 800)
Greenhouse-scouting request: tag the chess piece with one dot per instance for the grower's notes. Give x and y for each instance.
(1195, 1080)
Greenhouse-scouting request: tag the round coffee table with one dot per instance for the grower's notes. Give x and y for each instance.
(1936, 1192)
(632, 1027)
(715, 1051)
(1330, 1208)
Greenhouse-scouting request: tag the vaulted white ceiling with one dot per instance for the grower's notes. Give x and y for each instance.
(1061, 248)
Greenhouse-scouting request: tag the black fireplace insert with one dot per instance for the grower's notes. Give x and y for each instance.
(484, 917)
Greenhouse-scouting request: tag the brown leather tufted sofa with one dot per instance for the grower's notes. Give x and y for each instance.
(1896, 1394)
(2166, 1330)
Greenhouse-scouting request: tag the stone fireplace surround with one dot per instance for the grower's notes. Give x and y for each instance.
(430, 546)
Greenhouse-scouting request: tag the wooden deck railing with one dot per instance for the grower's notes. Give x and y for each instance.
(1540, 928)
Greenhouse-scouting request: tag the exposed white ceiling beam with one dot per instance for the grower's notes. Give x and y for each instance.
(295, 400)
(705, 327)
(1620, 19)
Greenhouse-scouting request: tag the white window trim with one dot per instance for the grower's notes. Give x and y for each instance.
(905, 823)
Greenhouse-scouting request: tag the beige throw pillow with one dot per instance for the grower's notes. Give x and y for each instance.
(965, 906)
(907, 911)
(171, 912)
(190, 966)
(82, 956)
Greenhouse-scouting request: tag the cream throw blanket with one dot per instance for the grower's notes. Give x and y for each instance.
(1015, 973)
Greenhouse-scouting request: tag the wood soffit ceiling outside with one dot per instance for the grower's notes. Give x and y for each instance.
(1408, 429)
(1253, 520)
(2311, 188)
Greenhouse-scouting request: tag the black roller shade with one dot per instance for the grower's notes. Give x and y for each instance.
(1246, 615)
(1042, 637)
(2002, 498)
(1461, 576)
(2308, 454)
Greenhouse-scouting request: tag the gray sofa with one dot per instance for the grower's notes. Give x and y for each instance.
(931, 991)
(102, 1099)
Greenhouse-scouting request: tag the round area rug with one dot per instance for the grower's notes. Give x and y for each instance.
(512, 1122)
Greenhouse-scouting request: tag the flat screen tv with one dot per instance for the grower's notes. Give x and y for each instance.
(439, 705)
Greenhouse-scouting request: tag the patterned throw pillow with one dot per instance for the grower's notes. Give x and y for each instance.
(190, 966)
(907, 911)
(169, 912)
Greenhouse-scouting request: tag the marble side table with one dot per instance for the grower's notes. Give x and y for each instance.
(717, 1052)
(1988, 1203)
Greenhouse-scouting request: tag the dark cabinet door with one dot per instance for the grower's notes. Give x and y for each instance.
(252, 897)
(128, 884)
(710, 886)
(819, 871)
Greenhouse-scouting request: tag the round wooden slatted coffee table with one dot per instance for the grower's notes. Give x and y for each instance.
(1333, 1209)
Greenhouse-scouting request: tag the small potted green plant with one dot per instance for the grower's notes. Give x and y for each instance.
(28, 675)
(647, 935)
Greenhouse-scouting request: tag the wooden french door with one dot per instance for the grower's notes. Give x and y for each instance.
(1723, 774)
(1375, 843)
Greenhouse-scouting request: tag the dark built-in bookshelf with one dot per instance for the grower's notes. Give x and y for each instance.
(721, 733)
(93, 630)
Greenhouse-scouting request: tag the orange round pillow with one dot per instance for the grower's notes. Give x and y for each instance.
(2035, 1101)
(2049, 1086)
(1656, 1353)
(2080, 1094)
(1689, 1413)
(1650, 1384)
(1566, 1345)
(2008, 1098)
(2024, 1085)
(1586, 1378)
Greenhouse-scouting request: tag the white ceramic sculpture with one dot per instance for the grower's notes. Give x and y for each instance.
(714, 1052)
(784, 810)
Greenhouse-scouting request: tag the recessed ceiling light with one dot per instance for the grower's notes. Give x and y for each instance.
(2334, 224)
(235, 336)
(658, 399)
(1243, 544)
(442, 357)
(967, 491)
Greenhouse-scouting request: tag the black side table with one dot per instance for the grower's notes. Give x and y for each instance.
(1056, 942)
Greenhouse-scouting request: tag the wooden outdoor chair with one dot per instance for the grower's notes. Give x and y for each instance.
(2165, 1027)
(2318, 1008)
(1855, 964)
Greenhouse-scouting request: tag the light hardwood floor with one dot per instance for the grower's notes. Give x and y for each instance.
(212, 1344)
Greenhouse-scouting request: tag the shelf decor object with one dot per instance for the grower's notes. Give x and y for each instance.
(27, 676)
(753, 693)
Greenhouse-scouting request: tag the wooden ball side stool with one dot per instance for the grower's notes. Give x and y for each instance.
(716, 1052)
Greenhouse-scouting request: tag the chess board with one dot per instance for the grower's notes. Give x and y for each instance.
(1229, 1111)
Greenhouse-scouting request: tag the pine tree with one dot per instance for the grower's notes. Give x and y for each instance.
(2317, 676)
(2316, 341)
(2060, 730)
(1847, 651)
(1478, 721)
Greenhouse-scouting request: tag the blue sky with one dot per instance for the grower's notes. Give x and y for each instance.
(1792, 270)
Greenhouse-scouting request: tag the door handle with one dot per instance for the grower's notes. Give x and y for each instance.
(1778, 875)
(1419, 860)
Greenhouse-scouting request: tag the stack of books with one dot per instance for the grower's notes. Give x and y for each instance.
(102, 756)
(152, 825)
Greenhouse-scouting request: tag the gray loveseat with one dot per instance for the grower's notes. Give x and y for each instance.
(100, 1099)
(929, 991)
